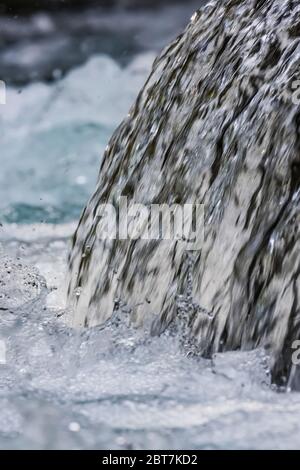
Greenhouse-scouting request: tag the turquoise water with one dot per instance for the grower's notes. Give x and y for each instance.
(53, 137)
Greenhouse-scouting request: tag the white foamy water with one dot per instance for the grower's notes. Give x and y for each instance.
(114, 387)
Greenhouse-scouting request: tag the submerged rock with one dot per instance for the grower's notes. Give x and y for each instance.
(218, 123)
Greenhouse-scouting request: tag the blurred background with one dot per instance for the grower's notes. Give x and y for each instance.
(29, 5)
(72, 71)
(41, 40)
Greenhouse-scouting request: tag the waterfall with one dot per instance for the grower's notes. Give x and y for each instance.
(217, 123)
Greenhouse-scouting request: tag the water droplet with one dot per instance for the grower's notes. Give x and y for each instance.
(77, 291)
(195, 17)
(74, 427)
(81, 180)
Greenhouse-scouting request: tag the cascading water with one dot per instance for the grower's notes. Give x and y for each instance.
(217, 122)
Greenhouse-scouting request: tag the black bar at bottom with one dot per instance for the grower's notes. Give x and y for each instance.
(135, 459)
